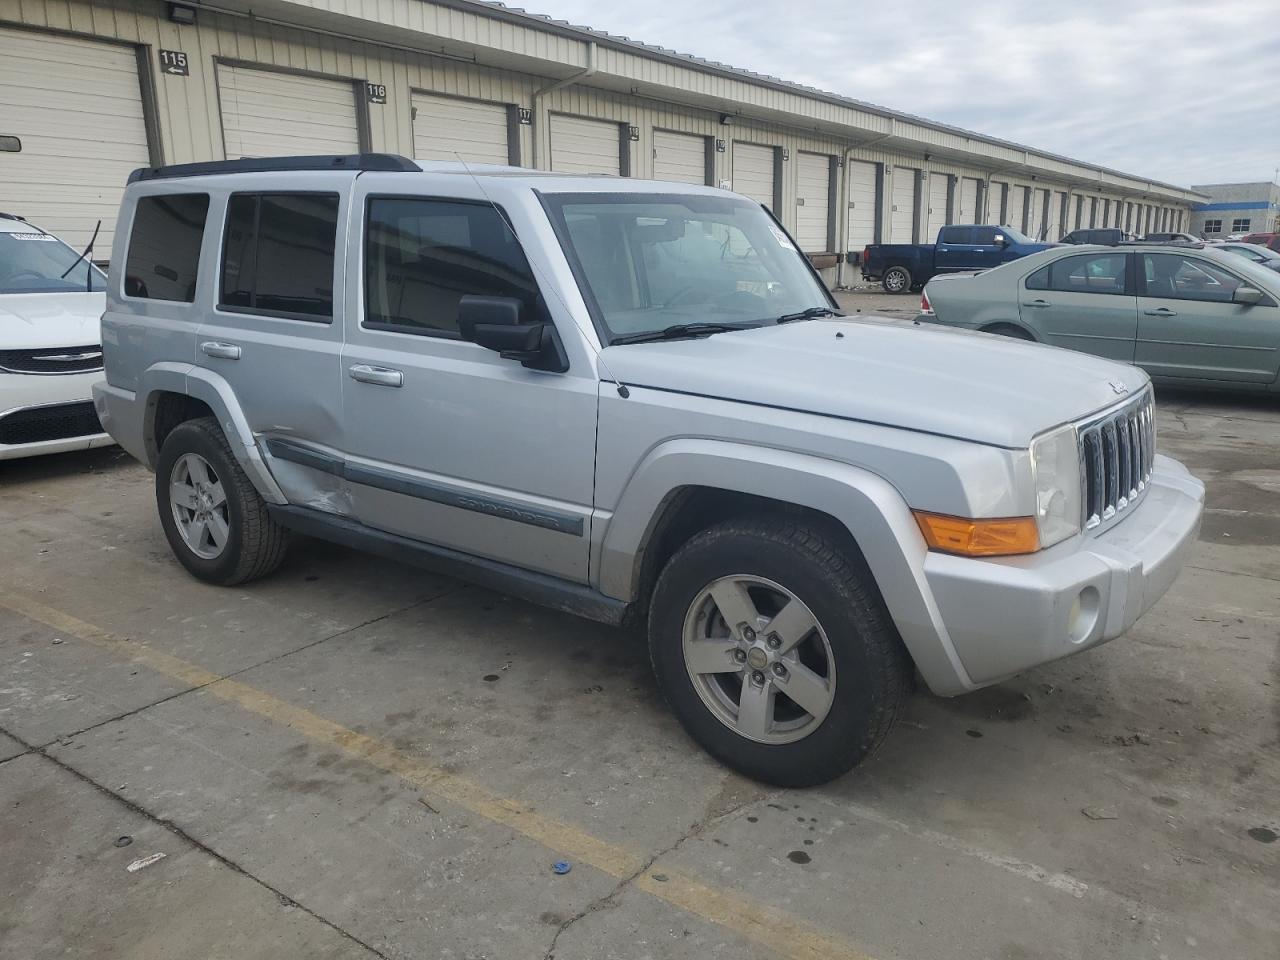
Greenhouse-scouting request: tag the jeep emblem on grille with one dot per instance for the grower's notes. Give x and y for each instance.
(1119, 388)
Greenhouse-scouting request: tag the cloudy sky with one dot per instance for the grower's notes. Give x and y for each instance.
(1184, 91)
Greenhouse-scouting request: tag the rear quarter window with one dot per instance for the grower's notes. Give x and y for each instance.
(164, 247)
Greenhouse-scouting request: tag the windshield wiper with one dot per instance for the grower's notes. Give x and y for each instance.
(809, 314)
(678, 331)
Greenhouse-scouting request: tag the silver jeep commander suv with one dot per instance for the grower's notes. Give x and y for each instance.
(632, 401)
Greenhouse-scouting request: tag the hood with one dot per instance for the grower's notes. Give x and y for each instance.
(30, 321)
(973, 386)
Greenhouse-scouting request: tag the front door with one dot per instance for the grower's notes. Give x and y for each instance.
(447, 442)
(1188, 326)
(1083, 302)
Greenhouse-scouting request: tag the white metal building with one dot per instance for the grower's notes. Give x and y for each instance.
(94, 88)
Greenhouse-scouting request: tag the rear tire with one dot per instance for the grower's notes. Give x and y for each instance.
(1010, 331)
(820, 633)
(896, 280)
(214, 519)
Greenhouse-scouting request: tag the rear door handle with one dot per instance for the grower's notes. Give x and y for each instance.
(1039, 303)
(223, 351)
(1162, 312)
(379, 376)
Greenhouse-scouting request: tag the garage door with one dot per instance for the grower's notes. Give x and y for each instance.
(1016, 207)
(585, 146)
(1057, 215)
(862, 205)
(753, 172)
(968, 212)
(903, 223)
(267, 114)
(813, 202)
(938, 214)
(446, 128)
(1035, 216)
(679, 157)
(76, 105)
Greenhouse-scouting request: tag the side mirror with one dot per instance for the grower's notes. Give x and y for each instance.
(1247, 296)
(1000, 240)
(494, 323)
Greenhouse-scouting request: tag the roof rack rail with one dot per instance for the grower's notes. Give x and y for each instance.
(11, 216)
(388, 162)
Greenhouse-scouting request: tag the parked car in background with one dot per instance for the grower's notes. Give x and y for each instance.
(901, 267)
(1269, 240)
(562, 387)
(1104, 235)
(1170, 238)
(1185, 315)
(1263, 256)
(51, 301)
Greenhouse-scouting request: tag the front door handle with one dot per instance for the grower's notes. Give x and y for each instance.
(1162, 312)
(379, 376)
(1039, 303)
(223, 351)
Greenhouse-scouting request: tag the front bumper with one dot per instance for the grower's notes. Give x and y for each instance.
(1008, 615)
(29, 394)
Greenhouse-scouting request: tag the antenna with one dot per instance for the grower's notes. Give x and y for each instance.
(545, 282)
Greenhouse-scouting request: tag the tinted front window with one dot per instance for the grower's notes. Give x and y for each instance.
(986, 235)
(1097, 273)
(1187, 278)
(35, 262)
(278, 254)
(423, 256)
(164, 247)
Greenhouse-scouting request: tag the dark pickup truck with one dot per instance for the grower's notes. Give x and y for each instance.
(901, 267)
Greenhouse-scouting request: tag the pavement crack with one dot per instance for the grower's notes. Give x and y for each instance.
(610, 899)
(281, 897)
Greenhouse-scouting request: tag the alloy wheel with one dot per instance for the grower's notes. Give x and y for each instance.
(199, 505)
(759, 659)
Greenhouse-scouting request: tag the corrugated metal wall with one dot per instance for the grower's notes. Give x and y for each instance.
(186, 121)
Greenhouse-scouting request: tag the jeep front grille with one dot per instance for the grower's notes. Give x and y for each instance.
(1117, 451)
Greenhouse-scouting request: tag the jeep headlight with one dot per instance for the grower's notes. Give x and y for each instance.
(1055, 463)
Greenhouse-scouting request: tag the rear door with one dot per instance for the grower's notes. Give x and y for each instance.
(753, 172)
(956, 249)
(902, 224)
(273, 335)
(863, 212)
(1188, 326)
(1084, 302)
(939, 188)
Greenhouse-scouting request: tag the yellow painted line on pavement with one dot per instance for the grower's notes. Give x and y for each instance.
(785, 934)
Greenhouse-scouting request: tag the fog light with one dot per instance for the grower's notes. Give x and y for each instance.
(1084, 615)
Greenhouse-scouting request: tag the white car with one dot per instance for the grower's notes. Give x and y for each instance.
(51, 304)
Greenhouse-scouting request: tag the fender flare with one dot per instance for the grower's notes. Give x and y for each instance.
(212, 390)
(867, 505)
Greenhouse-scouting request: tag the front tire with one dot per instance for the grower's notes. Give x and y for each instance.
(896, 280)
(215, 521)
(775, 651)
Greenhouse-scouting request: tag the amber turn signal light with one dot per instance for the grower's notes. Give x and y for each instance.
(979, 538)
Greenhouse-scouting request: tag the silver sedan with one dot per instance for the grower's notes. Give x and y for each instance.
(1185, 314)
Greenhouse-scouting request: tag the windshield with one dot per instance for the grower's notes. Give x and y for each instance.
(650, 261)
(1015, 236)
(34, 262)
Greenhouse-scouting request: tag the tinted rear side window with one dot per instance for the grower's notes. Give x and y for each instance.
(277, 256)
(423, 256)
(164, 247)
(957, 235)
